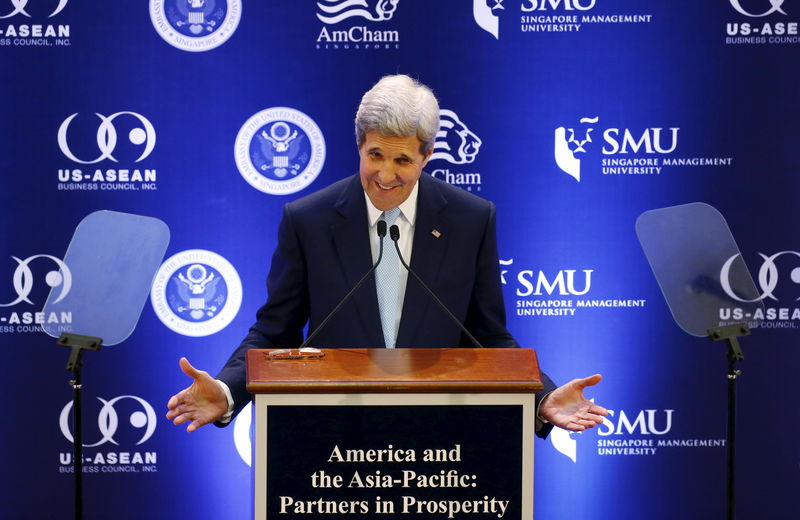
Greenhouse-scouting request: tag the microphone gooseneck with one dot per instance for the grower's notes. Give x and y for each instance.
(381, 234)
(394, 234)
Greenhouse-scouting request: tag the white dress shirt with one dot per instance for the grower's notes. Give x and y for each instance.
(405, 222)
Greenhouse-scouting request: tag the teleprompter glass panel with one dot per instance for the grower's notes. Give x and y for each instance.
(697, 263)
(109, 268)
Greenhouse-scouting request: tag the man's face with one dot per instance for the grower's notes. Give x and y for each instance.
(389, 168)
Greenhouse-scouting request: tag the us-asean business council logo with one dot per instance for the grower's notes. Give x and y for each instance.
(557, 293)
(632, 433)
(125, 139)
(195, 25)
(279, 151)
(354, 25)
(24, 27)
(777, 279)
(114, 442)
(196, 293)
(761, 22)
(619, 152)
(31, 279)
(552, 16)
(458, 145)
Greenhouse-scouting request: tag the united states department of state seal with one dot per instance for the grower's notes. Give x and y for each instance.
(195, 25)
(279, 151)
(196, 293)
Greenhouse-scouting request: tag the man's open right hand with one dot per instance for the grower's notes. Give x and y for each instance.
(202, 403)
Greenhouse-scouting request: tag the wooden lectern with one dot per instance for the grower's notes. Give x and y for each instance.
(394, 433)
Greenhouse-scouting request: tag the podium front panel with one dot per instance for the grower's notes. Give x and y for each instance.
(393, 456)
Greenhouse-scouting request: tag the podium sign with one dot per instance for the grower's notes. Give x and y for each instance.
(407, 435)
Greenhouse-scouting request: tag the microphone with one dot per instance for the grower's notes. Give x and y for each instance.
(394, 234)
(381, 234)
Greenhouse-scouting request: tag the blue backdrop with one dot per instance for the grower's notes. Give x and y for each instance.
(573, 116)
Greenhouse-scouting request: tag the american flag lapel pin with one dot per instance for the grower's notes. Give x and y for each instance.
(436, 233)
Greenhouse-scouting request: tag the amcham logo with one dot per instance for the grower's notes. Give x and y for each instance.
(334, 11)
(347, 36)
(455, 142)
(458, 145)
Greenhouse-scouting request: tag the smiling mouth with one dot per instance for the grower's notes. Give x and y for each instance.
(385, 188)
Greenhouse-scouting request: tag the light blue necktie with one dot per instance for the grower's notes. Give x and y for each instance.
(387, 281)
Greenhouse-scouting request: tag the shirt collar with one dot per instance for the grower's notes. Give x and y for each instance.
(408, 209)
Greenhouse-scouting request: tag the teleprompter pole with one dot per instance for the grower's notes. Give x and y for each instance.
(78, 343)
(730, 334)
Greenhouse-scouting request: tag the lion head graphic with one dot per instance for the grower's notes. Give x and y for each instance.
(455, 142)
(568, 145)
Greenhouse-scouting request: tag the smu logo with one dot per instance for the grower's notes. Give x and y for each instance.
(645, 423)
(545, 5)
(563, 283)
(569, 146)
(620, 146)
(649, 141)
(485, 16)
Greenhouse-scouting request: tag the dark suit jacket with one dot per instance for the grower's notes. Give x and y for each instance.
(324, 249)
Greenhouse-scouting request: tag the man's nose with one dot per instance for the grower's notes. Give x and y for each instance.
(386, 174)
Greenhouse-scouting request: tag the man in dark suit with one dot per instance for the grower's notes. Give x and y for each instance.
(327, 241)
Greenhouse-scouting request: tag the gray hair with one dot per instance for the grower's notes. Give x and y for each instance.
(399, 106)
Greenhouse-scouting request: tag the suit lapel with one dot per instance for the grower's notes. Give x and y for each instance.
(351, 240)
(426, 259)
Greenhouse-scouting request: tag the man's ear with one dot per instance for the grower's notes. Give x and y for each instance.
(427, 157)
